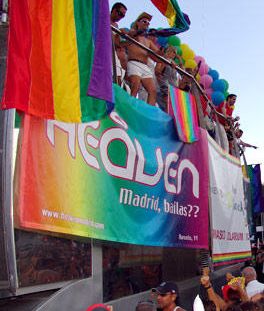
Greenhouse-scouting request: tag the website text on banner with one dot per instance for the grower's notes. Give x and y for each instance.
(124, 178)
(230, 235)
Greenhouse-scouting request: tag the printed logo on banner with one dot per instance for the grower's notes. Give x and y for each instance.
(106, 180)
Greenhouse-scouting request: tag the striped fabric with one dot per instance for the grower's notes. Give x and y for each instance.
(59, 51)
(182, 107)
(230, 258)
(178, 21)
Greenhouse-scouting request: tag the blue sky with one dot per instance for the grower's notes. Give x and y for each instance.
(228, 34)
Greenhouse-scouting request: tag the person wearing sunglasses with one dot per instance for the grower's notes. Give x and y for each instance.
(138, 71)
(167, 294)
(118, 12)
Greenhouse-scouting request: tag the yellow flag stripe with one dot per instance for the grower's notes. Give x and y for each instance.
(65, 68)
(170, 14)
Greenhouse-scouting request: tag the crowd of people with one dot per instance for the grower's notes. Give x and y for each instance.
(147, 77)
(239, 293)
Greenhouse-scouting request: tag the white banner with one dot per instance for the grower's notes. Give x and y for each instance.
(229, 227)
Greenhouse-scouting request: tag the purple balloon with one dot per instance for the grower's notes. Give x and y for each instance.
(204, 68)
(199, 58)
(209, 91)
(206, 81)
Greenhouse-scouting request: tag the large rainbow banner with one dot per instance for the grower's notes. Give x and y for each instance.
(124, 178)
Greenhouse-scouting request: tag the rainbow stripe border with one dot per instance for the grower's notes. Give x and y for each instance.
(229, 258)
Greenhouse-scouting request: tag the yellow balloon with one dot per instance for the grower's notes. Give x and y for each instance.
(190, 63)
(188, 54)
(184, 46)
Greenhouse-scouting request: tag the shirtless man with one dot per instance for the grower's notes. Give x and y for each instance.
(118, 12)
(138, 71)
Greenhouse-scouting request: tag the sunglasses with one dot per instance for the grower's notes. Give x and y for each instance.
(144, 21)
(121, 14)
(163, 295)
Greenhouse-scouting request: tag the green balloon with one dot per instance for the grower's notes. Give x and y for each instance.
(226, 84)
(176, 61)
(174, 41)
(179, 51)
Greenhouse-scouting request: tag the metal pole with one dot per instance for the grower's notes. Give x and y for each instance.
(164, 60)
(262, 224)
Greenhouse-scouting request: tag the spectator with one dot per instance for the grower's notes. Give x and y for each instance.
(185, 83)
(166, 75)
(253, 286)
(167, 295)
(224, 134)
(240, 142)
(118, 12)
(138, 70)
(233, 294)
(142, 93)
(260, 265)
(228, 106)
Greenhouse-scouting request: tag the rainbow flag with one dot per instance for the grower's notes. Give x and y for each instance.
(182, 107)
(230, 258)
(178, 21)
(59, 51)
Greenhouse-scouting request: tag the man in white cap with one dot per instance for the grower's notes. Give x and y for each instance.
(167, 294)
(138, 70)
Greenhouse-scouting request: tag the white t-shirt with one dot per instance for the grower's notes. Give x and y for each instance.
(254, 287)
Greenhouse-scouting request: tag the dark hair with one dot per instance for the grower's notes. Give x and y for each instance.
(233, 295)
(230, 95)
(118, 5)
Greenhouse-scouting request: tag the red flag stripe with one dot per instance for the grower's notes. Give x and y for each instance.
(161, 5)
(17, 62)
(41, 94)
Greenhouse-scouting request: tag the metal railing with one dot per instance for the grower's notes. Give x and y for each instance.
(197, 90)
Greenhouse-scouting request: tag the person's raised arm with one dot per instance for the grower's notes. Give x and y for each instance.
(217, 300)
(242, 143)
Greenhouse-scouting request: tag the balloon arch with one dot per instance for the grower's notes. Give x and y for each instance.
(215, 88)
